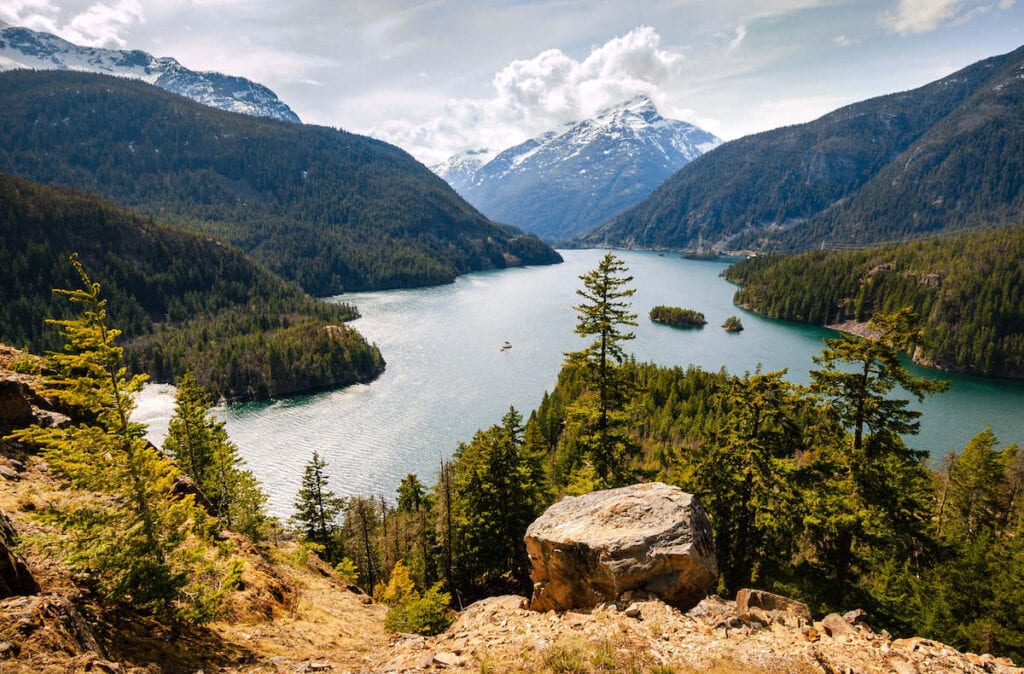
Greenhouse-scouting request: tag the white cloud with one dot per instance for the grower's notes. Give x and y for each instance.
(34, 14)
(537, 94)
(741, 32)
(103, 24)
(921, 16)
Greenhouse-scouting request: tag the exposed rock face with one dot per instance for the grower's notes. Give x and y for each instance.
(647, 537)
(15, 408)
(15, 577)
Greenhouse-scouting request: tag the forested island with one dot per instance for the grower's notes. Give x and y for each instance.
(677, 317)
(968, 288)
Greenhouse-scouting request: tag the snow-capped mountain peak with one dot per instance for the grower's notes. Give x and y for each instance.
(573, 178)
(24, 48)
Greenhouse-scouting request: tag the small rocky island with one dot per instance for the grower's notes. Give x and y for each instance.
(733, 324)
(677, 317)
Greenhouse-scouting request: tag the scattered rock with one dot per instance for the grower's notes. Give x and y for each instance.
(856, 616)
(836, 626)
(447, 660)
(747, 599)
(633, 611)
(590, 549)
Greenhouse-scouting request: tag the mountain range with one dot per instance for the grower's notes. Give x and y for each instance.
(945, 156)
(33, 50)
(571, 179)
(329, 210)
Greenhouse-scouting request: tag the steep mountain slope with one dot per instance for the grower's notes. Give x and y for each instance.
(944, 156)
(570, 180)
(24, 48)
(182, 301)
(329, 210)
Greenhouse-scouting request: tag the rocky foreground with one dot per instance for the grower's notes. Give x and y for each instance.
(645, 635)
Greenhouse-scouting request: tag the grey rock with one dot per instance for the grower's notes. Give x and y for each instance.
(650, 537)
(747, 599)
(835, 625)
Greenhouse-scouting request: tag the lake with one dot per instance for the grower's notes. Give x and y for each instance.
(447, 375)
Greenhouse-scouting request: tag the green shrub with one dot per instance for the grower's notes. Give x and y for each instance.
(424, 615)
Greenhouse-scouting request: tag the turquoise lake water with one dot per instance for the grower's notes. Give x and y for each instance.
(447, 376)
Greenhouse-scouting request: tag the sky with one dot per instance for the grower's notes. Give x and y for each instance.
(438, 77)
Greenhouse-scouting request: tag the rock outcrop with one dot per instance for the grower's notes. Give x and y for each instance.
(15, 576)
(592, 549)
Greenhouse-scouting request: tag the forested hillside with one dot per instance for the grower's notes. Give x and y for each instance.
(329, 210)
(969, 290)
(947, 155)
(183, 301)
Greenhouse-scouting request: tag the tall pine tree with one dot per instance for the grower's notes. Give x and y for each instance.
(599, 417)
(881, 487)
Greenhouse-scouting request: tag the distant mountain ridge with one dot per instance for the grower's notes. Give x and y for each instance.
(329, 210)
(573, 178)
(945, 156)
(33, 50)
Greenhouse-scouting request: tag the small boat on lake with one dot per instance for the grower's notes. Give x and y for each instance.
(506, 346)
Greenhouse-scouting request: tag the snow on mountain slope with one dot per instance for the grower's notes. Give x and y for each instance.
(458, 169)
(24, 48)
(572, 179)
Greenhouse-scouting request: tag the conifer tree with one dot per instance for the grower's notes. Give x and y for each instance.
(745, 478)
(318, 508)
(200, 445)
(881, 487)
(127, 533)
(189, 431)
(498, 492)
(600, 418)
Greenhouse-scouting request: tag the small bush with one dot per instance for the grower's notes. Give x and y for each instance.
(426, 615)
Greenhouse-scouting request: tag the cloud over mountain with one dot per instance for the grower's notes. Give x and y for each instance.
(552, 88)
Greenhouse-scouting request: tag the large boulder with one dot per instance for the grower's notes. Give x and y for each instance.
(651, 538)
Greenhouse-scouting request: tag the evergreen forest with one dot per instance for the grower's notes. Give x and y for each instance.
(183, 302)
(968, 289)
(328, 210)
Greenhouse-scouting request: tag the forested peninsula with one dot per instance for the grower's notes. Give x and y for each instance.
(182, 301)
(968, 289)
